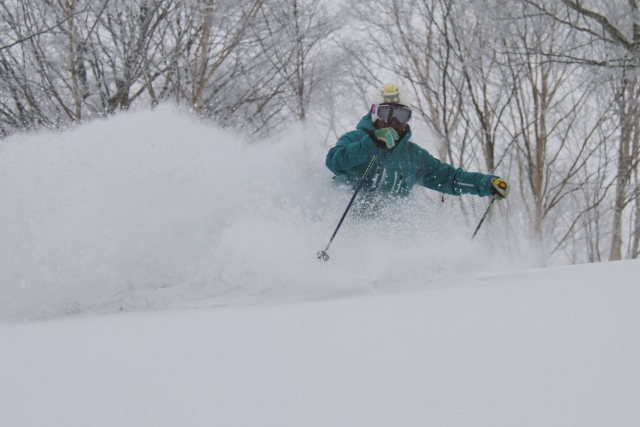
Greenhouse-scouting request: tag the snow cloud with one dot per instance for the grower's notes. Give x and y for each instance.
(152, 209)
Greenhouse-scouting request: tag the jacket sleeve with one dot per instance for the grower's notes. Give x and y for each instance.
(444, 178)
(352, 149)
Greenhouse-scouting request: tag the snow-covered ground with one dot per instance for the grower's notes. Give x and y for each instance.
(554, 347)
(158, 272)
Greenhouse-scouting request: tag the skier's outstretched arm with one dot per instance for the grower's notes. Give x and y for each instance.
(447, 179)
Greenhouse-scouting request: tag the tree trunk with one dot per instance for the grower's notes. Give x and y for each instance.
(73, 60)
(628, 110)
(635, 236)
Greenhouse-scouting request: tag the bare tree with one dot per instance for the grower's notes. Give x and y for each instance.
(123, 54)
(614, 46)
(557, 133)
(301, 46)
(635, 230)
(69, 57)
(34, 74)
(214, 30)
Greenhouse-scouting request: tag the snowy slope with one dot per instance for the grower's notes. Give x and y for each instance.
(155, 271)
(555, 347)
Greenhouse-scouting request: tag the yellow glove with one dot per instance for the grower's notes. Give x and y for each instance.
(499, 188)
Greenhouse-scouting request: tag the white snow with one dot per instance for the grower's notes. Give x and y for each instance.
(535, 348)
(115, 232)
(150, 210)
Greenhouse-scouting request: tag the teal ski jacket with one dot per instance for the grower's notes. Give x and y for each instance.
(397, 170)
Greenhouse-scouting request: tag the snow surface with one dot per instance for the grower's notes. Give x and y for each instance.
(133, 222)
(556, 347)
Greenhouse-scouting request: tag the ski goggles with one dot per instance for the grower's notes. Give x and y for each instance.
(387, 112)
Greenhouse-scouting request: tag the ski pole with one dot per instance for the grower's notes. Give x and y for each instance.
(323, 255)
(493, 199)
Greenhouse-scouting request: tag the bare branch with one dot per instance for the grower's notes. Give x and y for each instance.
(39, 33)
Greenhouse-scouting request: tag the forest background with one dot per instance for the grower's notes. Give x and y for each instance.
(541, 92)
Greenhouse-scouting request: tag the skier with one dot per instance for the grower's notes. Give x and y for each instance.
(401, 162)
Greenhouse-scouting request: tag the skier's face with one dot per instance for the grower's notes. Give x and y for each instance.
(393, 123)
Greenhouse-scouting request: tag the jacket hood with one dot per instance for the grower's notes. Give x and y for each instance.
(367, 126)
